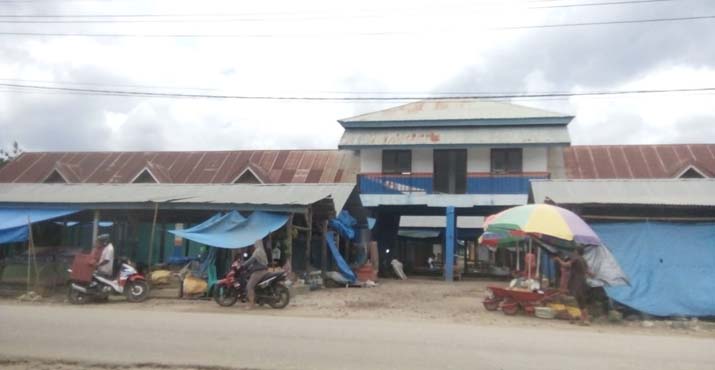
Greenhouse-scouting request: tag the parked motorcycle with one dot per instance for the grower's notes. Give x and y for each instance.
(129, 283)
(270, 290)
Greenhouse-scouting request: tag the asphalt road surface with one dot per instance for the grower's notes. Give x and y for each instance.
(234, 339)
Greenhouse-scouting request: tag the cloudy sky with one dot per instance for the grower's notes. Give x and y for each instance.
(337, 49)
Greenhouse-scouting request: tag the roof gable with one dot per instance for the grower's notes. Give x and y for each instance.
(691, 172)
(55, 177)
(144, 177)
(248, 176)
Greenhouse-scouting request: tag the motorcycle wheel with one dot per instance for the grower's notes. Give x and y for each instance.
(281, 297)
(225, 296)
(77, 297)
(137, 291)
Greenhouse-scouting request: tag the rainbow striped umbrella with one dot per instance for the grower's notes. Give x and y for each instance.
(542, 220)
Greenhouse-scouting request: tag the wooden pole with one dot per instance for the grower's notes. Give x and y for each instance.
(29, 250)
(308, 239)
(34, 254)
(538, 262)
(289, 245)
(162, 241)
(518, 263)
(151, 241)
(324, 251)
(95, 226)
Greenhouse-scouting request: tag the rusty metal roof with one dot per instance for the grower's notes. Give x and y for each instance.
(213, 167)
(638, 161)
(461, 112)
(453, 136)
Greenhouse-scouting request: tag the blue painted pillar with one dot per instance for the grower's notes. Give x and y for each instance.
(449, 243)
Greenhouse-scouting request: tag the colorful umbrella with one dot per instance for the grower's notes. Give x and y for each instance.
(542, 220)
(494, 239)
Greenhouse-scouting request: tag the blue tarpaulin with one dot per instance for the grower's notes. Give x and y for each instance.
(233, 230)
(342, 265)
(670, 266)
(345, 225)
(14, 221)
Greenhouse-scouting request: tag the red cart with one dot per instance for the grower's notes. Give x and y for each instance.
(511, 300)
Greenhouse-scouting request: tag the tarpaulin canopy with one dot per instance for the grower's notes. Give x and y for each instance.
(233, 230)
(14, 221)
(670, 266)
(342, 265)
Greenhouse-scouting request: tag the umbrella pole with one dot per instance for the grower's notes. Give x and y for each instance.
(538, 262)
(518, 264)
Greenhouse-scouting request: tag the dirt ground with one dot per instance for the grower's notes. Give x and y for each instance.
(411, 300)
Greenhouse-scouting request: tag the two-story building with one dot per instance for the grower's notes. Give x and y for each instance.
(451, 157)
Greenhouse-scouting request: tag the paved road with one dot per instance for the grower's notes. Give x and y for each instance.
(235, 339)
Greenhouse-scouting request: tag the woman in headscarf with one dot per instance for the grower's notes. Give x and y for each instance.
(257, 266)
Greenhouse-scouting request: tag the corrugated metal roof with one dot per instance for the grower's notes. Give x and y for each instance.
(682, 192)
(637, 161)
(277, 196)
(455, 109)
(443, 200)
(453, 136)
(463, 222)
(273, 166)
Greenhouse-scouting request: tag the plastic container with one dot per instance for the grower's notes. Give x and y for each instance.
(544, 312)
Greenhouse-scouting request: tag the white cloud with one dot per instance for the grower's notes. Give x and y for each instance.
(427, 47)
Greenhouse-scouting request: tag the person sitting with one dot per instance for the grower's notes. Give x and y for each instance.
(257, 267)
(105, 264)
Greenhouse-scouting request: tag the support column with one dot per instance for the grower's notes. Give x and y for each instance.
(95, 228)
(288, 253)
(308, 240)
(324, 250)
(151, 242)
(449, 241)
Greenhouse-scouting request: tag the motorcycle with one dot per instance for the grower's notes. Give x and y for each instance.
(270, 290)
(130, 283)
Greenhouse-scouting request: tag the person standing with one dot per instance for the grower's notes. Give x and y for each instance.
(577, 286)
(257, 266)
(564, 273)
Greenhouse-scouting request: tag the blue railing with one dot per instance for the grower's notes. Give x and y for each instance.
(394, 184)
(476, 184)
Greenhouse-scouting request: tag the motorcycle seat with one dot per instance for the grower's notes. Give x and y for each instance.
(271, 274)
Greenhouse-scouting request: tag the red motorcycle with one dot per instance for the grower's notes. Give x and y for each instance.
(86, 285)
(270, 290)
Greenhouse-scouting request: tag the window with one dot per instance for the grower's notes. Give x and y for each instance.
(396, 161)
(507, 160)
(450, 171)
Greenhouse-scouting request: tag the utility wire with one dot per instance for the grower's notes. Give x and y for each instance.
(380, 33)
(345, 98)
(197, 18)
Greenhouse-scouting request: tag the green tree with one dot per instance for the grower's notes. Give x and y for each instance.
(8, 155)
